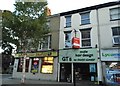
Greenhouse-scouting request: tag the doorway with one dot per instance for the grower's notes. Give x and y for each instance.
(65, 72)
(85, 72)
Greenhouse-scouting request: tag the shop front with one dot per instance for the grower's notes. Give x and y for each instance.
(39, 65)
(111, 65)
(78, 65)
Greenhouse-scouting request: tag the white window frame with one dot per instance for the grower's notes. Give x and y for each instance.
(82, 39)
(85, 19)
(68, 22)
(115, 13)
(48, 44)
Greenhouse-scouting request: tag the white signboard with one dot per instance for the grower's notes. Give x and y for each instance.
(110, 55)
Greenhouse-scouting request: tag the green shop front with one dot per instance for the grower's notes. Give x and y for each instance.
(78, 65)
(39, 65)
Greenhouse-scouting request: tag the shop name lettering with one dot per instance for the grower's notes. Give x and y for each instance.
(85, 54)
(80, 57)
(108, 55)
(66, 59)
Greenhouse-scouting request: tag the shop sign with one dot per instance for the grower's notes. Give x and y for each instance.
(110, 55)
(79, 55)
(75, 43)
(38, 54)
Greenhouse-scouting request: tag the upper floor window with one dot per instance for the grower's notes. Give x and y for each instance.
(68, 21)
(67, 39)
(45, 43)
(115, 13)
(85, 18)
(116, 35)
(85, 38)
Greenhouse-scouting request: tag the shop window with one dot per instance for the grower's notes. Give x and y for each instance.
(85, 18)
(116, 35)
(45, 43)
(85, 38)
(113, 72)
(35, 65)
(115, 13)
(68, 21)
(47, 65)
(20, 65)
(68, 40)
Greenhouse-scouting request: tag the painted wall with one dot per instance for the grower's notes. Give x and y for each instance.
(75, 24)
(54, 29)
(105, 27)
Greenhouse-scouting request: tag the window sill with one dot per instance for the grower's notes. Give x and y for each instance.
(44, 49)
(85, 24)
(114, 19)
(67, 26)
(116, 45)
(85, 47)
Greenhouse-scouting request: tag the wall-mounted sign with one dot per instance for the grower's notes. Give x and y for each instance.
(38, 54)
(75, 43)
(79, 55)
(110, 55)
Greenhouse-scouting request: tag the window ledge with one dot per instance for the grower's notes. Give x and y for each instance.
(116, 45)
(85, 24)
(67, 26)
(114, 19)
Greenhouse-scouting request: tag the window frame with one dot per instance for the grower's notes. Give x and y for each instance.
(52, 64)
(111, 18)
(68, 23)
(85, 39)
(49, 40)
(88, 19)
(115, 36)
(19, 62)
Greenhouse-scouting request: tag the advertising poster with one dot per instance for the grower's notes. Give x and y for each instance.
(35, 66)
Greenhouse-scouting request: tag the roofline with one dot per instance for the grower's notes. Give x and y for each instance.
(54, 15)
(91, 8)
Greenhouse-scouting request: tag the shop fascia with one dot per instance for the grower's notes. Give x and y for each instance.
(110, 55)
(37, 54)
(78, 55)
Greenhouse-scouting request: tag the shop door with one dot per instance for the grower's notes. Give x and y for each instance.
(81, 72)
(65, 72)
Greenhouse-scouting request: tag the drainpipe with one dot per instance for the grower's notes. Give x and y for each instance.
(99, 63)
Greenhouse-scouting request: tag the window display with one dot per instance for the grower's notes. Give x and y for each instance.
(20, 65)
(35, 65)
(113, 72)
(47, 65)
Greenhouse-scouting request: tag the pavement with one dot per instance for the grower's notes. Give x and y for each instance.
(7, 80)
